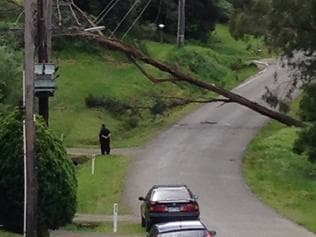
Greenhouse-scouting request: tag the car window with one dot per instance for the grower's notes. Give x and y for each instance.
(187, 233)
(170, 194)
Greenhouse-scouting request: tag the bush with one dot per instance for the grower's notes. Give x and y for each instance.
(56, 177)
(117, 107)
(10, 74)
(132, 121)
(308, 104)
(306, 143)
(159, 107)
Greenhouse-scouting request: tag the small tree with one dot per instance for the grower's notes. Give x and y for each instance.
(56, 178)
(10, 77)
(306, 142)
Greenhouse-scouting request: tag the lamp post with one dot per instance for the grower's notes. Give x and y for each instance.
(161, 27)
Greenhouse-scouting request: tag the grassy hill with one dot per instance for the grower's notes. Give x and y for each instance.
(281, 178)
(87, 70)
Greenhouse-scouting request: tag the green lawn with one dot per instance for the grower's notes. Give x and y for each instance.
(283, 179)
(97, 193)
(8, 234)
(122, 229)
(85, 69)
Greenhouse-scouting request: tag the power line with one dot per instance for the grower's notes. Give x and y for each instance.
(158, 14)
(123, 19)
(74, 15)
(104, 9)
(104, 15)
(137, 18)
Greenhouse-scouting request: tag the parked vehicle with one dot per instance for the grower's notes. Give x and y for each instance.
(181, 229)
(165, 203)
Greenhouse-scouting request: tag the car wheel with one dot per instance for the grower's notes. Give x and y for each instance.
(143, 222)
(148, 225)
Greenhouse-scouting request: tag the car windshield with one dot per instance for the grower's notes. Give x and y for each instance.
(170, 194)
(187, 233)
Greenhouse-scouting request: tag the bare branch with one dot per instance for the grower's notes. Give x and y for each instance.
(86, 17)
(150, 77)
(188, 100)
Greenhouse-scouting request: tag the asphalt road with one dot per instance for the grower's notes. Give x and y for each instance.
(204, 150)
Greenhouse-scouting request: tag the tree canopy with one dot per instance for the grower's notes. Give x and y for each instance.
(10, 74)
(56, 177)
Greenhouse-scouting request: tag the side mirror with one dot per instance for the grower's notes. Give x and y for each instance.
(141, 199)
(196, 197)
(212, 233)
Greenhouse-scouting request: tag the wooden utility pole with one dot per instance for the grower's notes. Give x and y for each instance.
(44, 15)
(181, 23)
(31, 171)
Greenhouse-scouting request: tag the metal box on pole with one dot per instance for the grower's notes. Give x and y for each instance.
(45, 78)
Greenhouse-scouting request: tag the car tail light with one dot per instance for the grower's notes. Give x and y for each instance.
(158, 208)
(211, 233)
(189, 207)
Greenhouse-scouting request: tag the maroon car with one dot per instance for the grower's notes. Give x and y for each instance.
(165, 203)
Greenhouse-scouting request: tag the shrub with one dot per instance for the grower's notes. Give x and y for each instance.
(308, 104)
(132, 121)
(112, 105)
(159, 107)
(306, 143)
(56, 177)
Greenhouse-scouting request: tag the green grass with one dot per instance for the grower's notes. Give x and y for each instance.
(85, 69)
(97, 193)
(8, 234)
(281, 178)
(107, 228)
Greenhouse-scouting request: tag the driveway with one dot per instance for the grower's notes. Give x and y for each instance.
(204, 150)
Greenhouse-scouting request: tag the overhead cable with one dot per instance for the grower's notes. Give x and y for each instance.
(104, 9)
(137, 18)
(123, 19)
(158, 14)
(107, 11)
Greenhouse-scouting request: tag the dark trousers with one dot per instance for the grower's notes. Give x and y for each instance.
(105, 147)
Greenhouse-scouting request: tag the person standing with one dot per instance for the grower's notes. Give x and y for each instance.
(104, 138)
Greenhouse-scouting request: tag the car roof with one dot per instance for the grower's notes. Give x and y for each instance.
(180, 225)
(169, 186)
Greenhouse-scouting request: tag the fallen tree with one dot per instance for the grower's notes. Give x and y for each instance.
(176, 75)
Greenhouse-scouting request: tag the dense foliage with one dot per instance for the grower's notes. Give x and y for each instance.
(307, 137)
(56, 177)
(10, 78)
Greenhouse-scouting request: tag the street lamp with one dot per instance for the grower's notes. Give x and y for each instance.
(161, 27)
